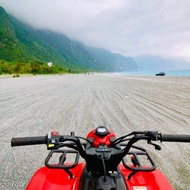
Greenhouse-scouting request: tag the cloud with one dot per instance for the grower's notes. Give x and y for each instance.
(129, 27)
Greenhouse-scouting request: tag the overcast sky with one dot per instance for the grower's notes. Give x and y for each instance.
(128, 27)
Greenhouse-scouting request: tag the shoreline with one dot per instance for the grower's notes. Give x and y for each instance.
(114, 74)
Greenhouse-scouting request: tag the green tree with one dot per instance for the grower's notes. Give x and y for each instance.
(1, 71)
(35, 68)
(17, 68)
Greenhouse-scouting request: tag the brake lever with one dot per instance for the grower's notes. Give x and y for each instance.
(156, 146)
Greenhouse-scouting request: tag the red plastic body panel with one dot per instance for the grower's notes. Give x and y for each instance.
(100, 140)
(154, 180)
(56, 179)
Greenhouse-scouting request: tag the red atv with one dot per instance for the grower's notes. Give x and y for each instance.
(110, 163)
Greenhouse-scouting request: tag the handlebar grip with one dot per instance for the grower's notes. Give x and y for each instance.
(175, 138)
(22, 141)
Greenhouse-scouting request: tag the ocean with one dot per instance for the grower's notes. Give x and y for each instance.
(152, 73)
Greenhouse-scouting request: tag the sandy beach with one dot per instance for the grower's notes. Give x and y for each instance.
(31, 106)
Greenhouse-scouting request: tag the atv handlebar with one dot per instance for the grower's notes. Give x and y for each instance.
(150, 136)
(53, 141)
(175, 138)
(138, 135)
(21, 141)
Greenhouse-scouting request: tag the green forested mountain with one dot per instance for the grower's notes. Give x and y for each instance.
(21, 44)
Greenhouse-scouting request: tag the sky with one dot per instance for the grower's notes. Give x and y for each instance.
(128, 27)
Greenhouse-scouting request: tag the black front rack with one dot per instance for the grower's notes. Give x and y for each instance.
(136, 159)
(61, 161)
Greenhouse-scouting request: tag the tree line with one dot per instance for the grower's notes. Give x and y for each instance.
(33, 68)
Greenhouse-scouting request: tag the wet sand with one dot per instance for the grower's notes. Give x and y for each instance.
(31, 106)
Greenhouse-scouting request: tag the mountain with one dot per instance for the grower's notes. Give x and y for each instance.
(8, 40)
(22, 43)
(7, 29)
(178, 63)
(158, 63)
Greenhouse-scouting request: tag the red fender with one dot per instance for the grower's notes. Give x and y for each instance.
(154, 180)
(56, 179)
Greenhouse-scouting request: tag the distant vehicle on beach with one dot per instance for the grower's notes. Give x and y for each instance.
(160, 74)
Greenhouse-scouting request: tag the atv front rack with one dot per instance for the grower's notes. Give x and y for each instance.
(61, 162)
(137, 156)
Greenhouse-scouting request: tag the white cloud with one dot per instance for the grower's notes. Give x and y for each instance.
(129, 27)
